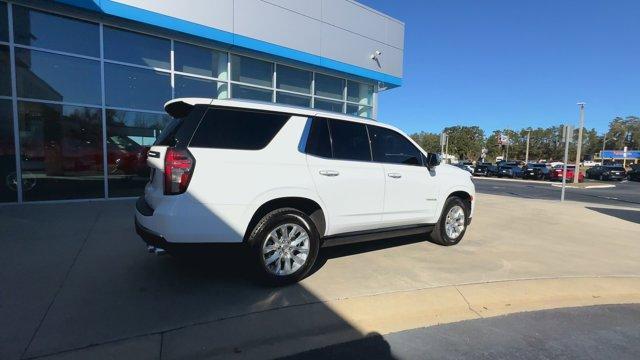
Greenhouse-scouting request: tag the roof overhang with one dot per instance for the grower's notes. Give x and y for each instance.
(120, 10)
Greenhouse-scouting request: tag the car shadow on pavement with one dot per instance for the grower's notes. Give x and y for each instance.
(623, 214)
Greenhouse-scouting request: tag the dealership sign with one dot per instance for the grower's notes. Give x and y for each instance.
(621, 154)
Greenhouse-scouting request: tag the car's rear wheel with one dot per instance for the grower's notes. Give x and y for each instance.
(453, 222)
(284, 245)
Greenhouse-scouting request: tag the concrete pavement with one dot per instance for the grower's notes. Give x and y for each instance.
(76, 282)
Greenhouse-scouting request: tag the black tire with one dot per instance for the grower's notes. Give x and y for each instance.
(601, 177)
(259, 236)
(439, 233)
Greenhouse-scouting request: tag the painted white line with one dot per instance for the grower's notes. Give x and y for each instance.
(599, 186)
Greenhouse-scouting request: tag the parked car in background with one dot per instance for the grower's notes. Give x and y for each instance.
(607, 172)
(464, 167)
(481, 170)
(556, 174)
(535, 171)
(634, 173)
(590, 163)
(511, 171)
(492, 170)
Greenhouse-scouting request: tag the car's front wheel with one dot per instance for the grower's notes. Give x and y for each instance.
(453, 222)
(284, 244)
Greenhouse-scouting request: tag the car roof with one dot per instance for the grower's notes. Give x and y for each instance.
(176, 106)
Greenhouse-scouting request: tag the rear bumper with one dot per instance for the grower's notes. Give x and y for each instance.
(150, 237)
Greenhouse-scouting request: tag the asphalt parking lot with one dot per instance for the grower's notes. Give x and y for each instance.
(625, 193)
(76, 282)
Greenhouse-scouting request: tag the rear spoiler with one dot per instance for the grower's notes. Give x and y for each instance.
(179, 108)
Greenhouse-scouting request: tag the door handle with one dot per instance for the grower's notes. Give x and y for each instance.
(329, 173)
(395, 175)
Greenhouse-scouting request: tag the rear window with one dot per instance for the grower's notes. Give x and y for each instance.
(179, 130)
(235, 129)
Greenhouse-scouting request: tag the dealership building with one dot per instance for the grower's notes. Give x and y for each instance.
(83, 82)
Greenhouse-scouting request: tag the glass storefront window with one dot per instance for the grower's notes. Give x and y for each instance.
(135, 48)
(359, 110)
(48, 31)
(61, 151)
(136, 88)
(129, 136)
(327, 105)
(251, 71)
(42, 75)
(5, 71)
(199, 60)
(8, 176)
(251, 93)
(359, 93)
(293, 99)
(187, 86)
(4, 22)
(329, 86)
(293, 79)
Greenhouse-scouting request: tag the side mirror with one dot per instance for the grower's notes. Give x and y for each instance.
(433, 160)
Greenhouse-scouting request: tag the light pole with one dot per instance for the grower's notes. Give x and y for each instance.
(526, 157)
(576, 173)
(604, 143)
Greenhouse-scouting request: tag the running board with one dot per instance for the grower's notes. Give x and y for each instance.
(378, 234)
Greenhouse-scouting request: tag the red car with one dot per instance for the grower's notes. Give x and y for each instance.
(556, 174)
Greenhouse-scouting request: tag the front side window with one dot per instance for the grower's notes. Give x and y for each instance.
(390, 147)
(319, 140)
(349, 140)
(240, 130)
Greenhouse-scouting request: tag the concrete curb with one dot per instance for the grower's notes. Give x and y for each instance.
(544, 182)
(392, 312)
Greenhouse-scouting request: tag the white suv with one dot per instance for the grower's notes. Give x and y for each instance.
(287, 181)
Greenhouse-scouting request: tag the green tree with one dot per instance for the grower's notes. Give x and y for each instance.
(465, 142)
(430, 142)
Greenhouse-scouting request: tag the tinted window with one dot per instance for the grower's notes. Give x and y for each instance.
(42, 75)
(349, 140)
(360, 93)
(243, 130)
(329, 86)
(8, 188)
(4, 23)
(319, 141)
(293, 79)
(251, 71)
(5, 71)
(327, 105)
(293, 99)
(251, 93)
(200, 60)
(43, 30)
(390, 147)
(136, 88)
(135, 48)
(187, 86)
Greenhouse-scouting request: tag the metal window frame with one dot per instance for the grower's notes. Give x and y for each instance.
(172, 38)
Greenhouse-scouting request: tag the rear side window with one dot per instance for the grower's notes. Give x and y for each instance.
(319, 141)
(234, 129)
(350, 140)
(390, 147)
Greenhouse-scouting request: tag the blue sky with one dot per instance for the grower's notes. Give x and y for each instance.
(498, 63)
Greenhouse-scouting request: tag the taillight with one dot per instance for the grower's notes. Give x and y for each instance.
(178, 168)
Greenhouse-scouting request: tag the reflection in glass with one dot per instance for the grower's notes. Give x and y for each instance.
(251, 71)
(136, 48)
(42, 75)
(359, 110)
(4, 23)
(329, 86)
(8, 177)
(251, 93)
(136, 88)
(187, 86)
(359, 93)
(129, 136)
(328, 105)
(292, 99)
(199, 60)
(5, 71)
(48, 31)
(61, 151)
(293, 79)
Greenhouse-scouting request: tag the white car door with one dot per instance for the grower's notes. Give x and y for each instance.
(349, 184)
(411, 190)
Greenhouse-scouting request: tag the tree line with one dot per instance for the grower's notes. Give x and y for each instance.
(467, 142)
